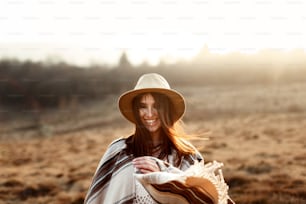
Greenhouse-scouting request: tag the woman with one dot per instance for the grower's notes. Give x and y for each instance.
(156, 145)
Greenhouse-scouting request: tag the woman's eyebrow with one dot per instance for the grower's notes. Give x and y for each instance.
(145, 104)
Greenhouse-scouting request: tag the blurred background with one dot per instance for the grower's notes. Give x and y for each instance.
(241, 66)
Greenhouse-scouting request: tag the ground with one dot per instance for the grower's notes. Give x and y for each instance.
(257, 132)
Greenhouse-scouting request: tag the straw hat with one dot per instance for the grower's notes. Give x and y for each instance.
(151, 83)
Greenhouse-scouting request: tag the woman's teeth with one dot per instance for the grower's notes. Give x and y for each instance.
(150, 122)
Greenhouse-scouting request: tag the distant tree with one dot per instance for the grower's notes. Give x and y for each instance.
(124, 61)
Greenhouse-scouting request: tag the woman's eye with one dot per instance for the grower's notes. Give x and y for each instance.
(142, 106)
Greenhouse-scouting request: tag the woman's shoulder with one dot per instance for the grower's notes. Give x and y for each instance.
(113, 149)
(119, 143)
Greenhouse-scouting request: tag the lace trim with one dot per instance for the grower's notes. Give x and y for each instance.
(142, 196)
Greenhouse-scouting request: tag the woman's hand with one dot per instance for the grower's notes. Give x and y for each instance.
(145, 164)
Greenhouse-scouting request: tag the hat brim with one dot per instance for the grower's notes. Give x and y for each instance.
(126, 99)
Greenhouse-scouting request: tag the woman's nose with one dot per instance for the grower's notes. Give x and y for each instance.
(150, 112)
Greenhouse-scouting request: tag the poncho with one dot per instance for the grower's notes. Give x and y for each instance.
(114, 179)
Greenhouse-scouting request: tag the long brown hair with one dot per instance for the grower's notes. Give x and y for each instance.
(140, 144)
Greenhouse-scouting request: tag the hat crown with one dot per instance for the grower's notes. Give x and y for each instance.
(152, 80)
(151, 83)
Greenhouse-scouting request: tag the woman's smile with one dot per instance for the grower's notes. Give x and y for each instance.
(149, 114)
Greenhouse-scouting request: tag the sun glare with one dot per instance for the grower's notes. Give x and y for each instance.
(85, 31)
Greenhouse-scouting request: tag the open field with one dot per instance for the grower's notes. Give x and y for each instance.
(257, 131)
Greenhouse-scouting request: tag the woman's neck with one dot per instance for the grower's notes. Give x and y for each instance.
(156, 139)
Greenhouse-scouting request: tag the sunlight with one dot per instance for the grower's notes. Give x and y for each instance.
(148, 30)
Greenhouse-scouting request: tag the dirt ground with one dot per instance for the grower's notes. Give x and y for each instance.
(261, 143)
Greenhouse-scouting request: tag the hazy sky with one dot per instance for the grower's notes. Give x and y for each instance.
(95, 31)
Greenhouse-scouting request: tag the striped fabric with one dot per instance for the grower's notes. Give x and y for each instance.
(191, 194)
(178, 192)
(114, 180)
(200, 184)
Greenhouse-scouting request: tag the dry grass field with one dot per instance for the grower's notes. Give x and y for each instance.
(257, 131)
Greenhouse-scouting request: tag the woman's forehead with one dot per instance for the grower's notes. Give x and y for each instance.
(147, 97)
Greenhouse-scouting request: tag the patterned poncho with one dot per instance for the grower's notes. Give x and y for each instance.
(114, 180)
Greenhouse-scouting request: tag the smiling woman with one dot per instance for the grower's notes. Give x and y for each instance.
(156, 145)
(148, 115)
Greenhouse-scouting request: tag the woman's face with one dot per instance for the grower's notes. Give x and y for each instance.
(149, 114)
